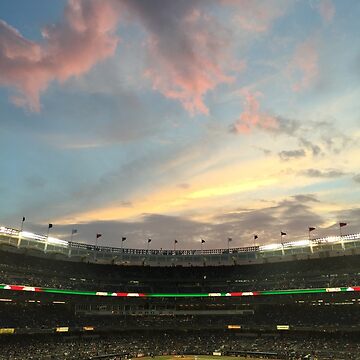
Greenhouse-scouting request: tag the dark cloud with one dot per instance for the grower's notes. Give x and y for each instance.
(349, 216)
(293, 215)
(315, 149)
(291, 154)
(329, 173)
(331, 137)
(183, 186)
(305, 198)
(162, 229)
(356, 178)
(264, 151)
(286, 126)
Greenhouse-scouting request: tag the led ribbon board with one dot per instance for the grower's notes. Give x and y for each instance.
(170, 295)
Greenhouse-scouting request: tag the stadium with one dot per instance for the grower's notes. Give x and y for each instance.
(67, 300)
(197, 160)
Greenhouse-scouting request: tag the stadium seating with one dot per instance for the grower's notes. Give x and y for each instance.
(45, 319)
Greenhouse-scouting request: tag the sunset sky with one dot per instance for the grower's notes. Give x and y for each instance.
(179, 119)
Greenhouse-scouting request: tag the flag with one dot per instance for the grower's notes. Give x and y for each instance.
(50, 226)
(98, 235)
(229, 239)
(311, 228)
(255, 237)
(73, 231)
(175, 241)
(283, 233)
(123, 238)
(202, 241)
(23, 218)
(342, 224)
(149, 240)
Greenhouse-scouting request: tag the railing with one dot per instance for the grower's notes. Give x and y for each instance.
(76, 245)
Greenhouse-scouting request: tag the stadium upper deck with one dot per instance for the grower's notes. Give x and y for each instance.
(14, 240)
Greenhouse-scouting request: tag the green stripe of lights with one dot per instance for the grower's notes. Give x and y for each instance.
(68, 292)
(178, 295)
(299, 291)
(290, 292)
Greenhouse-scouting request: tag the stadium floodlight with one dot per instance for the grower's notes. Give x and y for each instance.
(270, 247)
(30, 235)
(299, 243)
(52, 240)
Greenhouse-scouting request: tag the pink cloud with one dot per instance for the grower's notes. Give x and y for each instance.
(189, 60)
(84, 37)
(257, 15)
(304, 66)
(252, 116)
(327, 10)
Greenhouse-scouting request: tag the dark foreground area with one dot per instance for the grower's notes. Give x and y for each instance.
(150, 343)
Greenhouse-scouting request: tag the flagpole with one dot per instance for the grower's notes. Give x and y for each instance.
(21, 230)
(122, 247)
(282, 244)
(341, 224)
(73, 231)
(69, 252)
(98, 235)
(95, 250)
(47, 237)
(22, 223)
(19, 239)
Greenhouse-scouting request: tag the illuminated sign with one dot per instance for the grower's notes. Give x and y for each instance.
(282, 327)
(88, 328)
(234, 326)
(62, 329)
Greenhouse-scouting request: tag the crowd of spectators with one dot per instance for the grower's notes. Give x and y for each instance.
(26, 270)
(135, 344)
(34, 316)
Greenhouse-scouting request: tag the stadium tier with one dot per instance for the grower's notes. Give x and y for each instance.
(41, 245)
